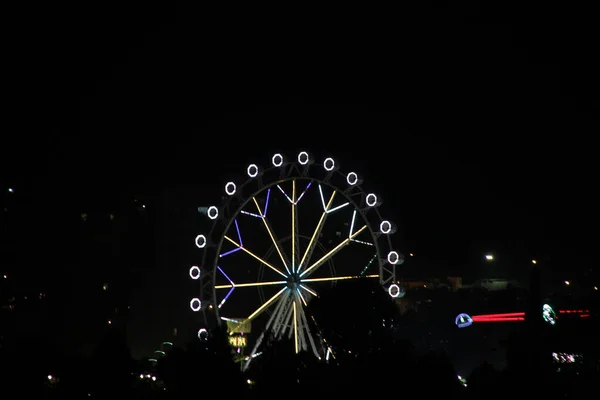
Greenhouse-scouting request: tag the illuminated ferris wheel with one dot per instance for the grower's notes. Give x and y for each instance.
(283, 236)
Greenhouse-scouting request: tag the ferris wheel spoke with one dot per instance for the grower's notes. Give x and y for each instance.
(301, 327)
(250, 284)
(272, 236)
(312, 244)
(337, 278)
(255, 256)
(303, 287)
(262, 308)
(331, 252)
(295, 326)
(294, 226)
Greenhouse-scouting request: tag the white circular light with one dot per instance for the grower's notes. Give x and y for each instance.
(393, 257)
(394, 290)
(252, 170)
(195, 304)
(277, 160)
(303, 158)
(202, 333)
(230, 188)
(195, 272)
(385, 227)
(352, 178)
(201, 241)
(371, 200)
(329, 164)
(212, 212)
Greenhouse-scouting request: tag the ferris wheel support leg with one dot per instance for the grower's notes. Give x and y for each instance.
(286, 322)
(277, 311)
(281, 314)
(274, 316)
(301, 327)
(310, 336)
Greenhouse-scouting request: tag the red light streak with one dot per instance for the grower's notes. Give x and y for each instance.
(507, 319)
(520, 316)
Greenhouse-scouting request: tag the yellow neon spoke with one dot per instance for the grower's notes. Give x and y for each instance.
(309, 290)
(266, 223)
(250, 284)
(256, 257)
(338, 278)
(267, 303)
(293, 225)
(295, 327)
(302, 298)
(312, 242)
(331, 252)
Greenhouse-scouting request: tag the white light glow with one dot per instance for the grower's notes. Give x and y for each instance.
(277, 160)
(230, 188)
(252, 170)
(195, 272)
(393, 257)
(195, 304)
(202, 333)
(329, 164)
(394, 290)
(212, 212)
(303, 158)
(385, 227)
(352, 178)
(371, 200)
(201, 241)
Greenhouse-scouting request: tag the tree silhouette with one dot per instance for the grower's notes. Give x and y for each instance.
(201, 366)
(112, 365)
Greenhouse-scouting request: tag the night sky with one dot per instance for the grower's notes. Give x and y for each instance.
(476, 125)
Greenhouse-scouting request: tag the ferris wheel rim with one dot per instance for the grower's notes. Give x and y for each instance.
(354, 187)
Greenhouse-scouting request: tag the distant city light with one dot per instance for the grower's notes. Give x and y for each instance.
(595, 287)
(533, 261)
(567, 283)
(11, 190)
(489, 257)
(5, 276)
(411, 254)
(109, 322)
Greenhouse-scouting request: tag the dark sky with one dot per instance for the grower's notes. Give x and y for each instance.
(476, 124)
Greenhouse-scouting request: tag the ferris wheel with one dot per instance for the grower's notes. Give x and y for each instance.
(280, 238)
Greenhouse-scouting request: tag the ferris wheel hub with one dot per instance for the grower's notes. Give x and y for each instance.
(293, 280)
